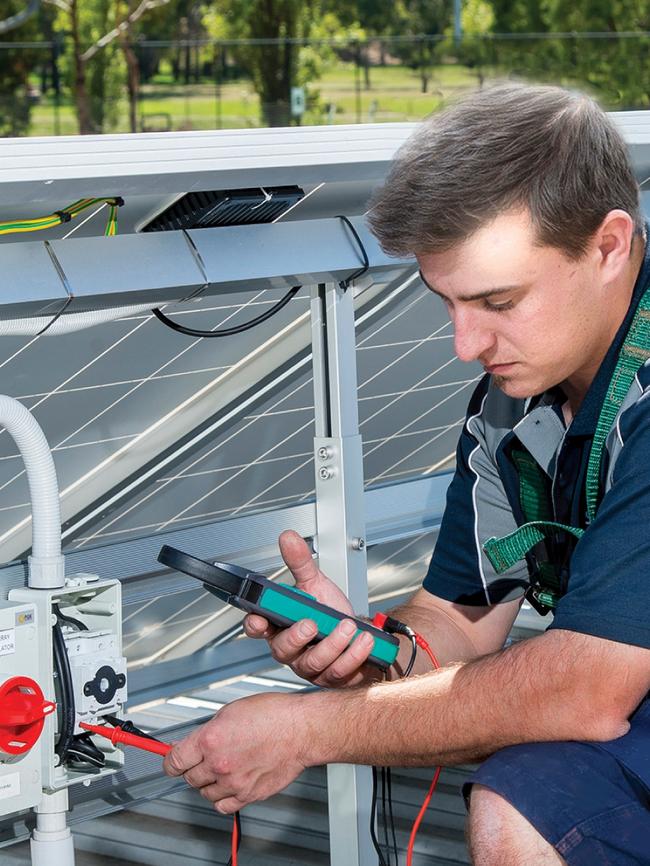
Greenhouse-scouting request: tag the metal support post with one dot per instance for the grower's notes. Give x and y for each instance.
(341, 532)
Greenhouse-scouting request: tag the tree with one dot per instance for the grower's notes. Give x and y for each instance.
(612, 66)
(277, 59)
(272, 61)
(15, 66)
(425, 21)
(20, 17)
(378, 18)
(94, 66)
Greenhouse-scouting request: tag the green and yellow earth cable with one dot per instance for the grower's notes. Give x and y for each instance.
(63, 216)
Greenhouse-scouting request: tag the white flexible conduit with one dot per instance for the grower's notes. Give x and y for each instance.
(67, 323)
(46, 564)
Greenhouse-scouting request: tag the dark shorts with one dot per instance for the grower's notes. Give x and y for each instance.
(579, 798)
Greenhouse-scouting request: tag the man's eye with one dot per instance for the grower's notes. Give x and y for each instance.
(498, 308)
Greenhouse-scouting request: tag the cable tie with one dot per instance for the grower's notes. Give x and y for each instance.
(118, 201)
(63, 215)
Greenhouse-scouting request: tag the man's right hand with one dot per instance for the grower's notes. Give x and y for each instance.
(333, 662)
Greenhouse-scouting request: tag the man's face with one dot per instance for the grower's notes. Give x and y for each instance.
(531, 316)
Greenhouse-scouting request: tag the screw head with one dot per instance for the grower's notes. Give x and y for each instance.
(323, 452)
(358, 543)
(324, 473)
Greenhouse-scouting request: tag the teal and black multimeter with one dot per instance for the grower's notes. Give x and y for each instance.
(280, 604)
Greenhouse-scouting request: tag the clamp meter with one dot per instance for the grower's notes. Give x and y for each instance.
(281, 604)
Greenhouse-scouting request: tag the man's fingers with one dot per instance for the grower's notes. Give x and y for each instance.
(327, 651)
(290, 642)
(229, 806)
(337, 655)
(200, 776)
(258, 626)
(184, 755)
(346, 668)
(223, 800)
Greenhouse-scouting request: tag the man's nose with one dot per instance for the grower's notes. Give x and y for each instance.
(471, 338)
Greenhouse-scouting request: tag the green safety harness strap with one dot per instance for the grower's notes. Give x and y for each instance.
(633, 355)
(504, 552)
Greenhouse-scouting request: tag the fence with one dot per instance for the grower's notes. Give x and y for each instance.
(161, 86)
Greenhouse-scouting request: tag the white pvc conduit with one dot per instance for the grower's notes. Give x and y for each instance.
(46, 564)
(66, 324)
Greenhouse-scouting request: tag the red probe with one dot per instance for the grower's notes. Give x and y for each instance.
(117, 735)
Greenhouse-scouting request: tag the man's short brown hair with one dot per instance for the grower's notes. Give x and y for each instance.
(552, 151)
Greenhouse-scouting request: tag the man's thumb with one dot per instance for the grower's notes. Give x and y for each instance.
(298, 558)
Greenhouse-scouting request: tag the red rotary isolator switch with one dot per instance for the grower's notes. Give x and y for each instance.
(23, 709)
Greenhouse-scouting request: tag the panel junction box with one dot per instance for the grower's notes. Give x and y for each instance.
(87, 614)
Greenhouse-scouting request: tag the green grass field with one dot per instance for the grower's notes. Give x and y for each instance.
(394, 95)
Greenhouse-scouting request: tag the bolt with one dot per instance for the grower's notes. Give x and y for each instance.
(324, 473)
(358, 543)
(324, 453)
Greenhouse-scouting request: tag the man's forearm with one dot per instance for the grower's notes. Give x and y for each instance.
(447, 640)
(541, 689)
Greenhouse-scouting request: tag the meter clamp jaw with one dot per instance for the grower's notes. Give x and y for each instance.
(281, 604)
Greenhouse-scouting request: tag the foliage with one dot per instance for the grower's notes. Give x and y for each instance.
(313, 38)
(613, 66)
(418, 17)
(276, 67)
(97, 83)
(16, 95)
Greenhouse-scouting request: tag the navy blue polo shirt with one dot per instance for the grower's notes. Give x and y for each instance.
(607, 572)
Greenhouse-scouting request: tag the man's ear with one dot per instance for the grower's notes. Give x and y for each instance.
(612, 244)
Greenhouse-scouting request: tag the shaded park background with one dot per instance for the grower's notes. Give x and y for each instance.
(101, 66)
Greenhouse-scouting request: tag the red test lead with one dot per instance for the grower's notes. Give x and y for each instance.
(117, 735)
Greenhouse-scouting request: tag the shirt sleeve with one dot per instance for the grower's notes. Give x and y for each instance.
(609, 586)
(477, 508)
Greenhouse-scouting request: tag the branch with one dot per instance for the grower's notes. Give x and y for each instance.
(123, 26)
(20, 17)
(60, 4)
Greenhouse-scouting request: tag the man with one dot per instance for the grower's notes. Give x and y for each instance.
(523, 212)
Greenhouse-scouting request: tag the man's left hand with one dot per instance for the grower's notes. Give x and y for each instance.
(251, 749)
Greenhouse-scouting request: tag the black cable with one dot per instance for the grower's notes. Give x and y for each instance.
(84, 751)
(384, 815)
(389, 786)
(344, 284)
(228, 332)
(388, 821)
(373, 818)
(238, 824)
(62, 617)
(64, 676)
(86, 744)
(56, 316)
(73, 755)
(128, 726)
(414, 652)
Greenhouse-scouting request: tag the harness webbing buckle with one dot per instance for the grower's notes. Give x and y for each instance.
(542, 600)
